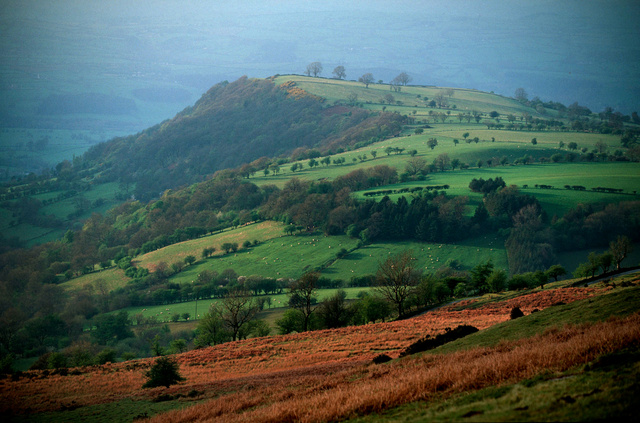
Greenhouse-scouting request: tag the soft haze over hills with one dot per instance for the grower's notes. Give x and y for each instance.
(151, 59)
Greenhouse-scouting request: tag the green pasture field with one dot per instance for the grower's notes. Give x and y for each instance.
(549, 139)
(619, 175)
(288, 256)
(33, 235)
(398, 161)
(428, 257)
(164, 312)
(62, 209)
(113, 278)
(30, 234)
(261, 231)
(285, 256)
(510, 144)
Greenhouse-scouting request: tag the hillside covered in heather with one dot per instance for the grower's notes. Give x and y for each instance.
(573, 346)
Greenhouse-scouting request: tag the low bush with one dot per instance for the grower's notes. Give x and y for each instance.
(429, 343)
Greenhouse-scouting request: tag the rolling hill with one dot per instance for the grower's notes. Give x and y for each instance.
(232, 124)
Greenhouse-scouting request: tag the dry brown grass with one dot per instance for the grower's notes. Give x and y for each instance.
(369, 388)
(301, 373)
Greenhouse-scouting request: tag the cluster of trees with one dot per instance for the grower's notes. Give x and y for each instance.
(581, 118)
(328, 206)
(593, 225)
(233, 317)
(155, 289)
(614, 256)
(605, 189)
(485, 187)
(61, 342)
(534, 239)
(413, 190)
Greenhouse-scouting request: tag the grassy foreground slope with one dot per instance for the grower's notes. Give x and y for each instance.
(576, 358)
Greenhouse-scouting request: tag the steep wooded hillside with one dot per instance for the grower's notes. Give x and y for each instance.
(233, 123)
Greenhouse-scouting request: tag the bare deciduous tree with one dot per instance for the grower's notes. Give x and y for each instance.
(415, 165)
(236, 309)
(302, 296)
(521, 95)
(402, 79)
(396, 279)
(619, 249)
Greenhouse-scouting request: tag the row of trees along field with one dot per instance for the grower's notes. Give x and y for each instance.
(339, 72)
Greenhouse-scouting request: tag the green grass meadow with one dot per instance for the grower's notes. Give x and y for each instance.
(287, 256)
(261, 232)
(464, 100)
(99, 199)
(112, 278)
(428, 257)
(619, 175)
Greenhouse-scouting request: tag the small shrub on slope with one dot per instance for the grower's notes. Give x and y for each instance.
(428, 343)
(515, 313)
(163, 373)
